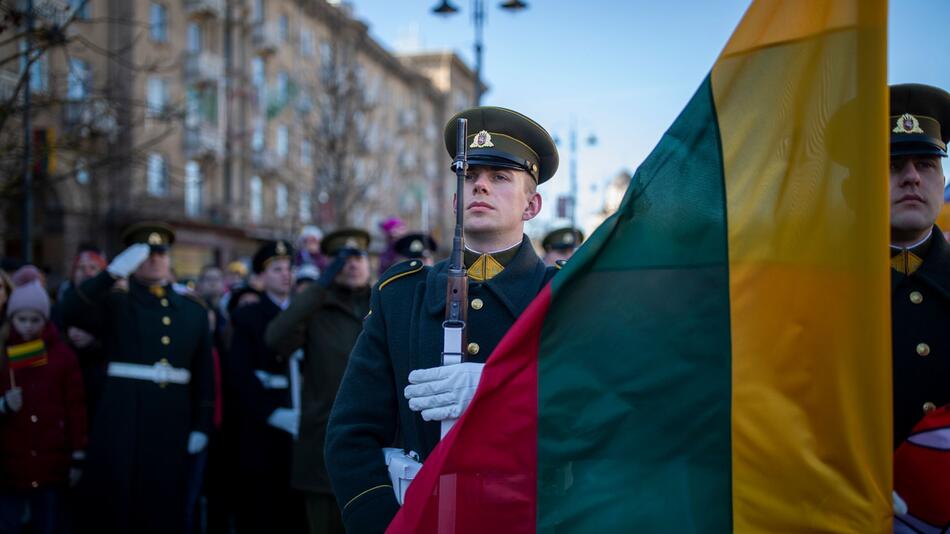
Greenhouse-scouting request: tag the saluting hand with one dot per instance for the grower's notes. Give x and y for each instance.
(443, 392)
(129, 260)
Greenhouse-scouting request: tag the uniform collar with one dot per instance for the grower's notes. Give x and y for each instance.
(483, 266)
(935, 270)
(153, 295)
(515, 286)
(906, 260)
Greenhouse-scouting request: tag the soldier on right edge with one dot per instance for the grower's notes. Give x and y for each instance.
(509, 155)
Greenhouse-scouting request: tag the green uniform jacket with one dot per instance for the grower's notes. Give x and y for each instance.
(920, 314)
(326, 322)
(135, 475)
(404, 332)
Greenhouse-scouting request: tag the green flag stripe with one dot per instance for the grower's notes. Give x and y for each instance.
(654, 452)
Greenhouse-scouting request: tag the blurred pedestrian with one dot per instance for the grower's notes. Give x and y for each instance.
(304, 276)
(325, 320)
(259, 381)
(393, 228)
(416, 246)
(42, 418)
(308, 248)
(158, 402)
(559, 245)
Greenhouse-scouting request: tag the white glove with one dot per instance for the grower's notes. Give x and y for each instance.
(13, 400)
(285, 419)
(129, 260)
(443, 392)
(900, 507)
(197, 441)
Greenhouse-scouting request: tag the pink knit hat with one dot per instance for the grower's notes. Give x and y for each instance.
(30, 296)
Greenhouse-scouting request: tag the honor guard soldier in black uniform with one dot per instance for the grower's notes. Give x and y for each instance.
(416, 246)
(920, 256)
(559, 245)
(259, 386)
(509, 155)
(325, 320)
(157, 402)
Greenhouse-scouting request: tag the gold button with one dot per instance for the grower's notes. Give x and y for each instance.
(166, 320)
(35, 484)
(929, 407)
(413, 263)
(164, 303)
(34, 418)
(923, 349)
(916, 297)
(473, 348)
(477, 304)
(166, 340)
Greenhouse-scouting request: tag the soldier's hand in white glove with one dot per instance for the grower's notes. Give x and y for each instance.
(285, 419)
(129, 260)
(900, 507)
(13, 400)
(443, 392)
(197, 441)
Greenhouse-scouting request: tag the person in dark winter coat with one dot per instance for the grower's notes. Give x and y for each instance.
(42, 417)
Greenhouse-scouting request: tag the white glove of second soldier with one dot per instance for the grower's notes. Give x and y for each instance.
(285, 419)
(197, 441)
(444, 392)
(129, 260)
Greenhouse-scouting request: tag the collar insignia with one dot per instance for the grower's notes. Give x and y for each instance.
(907, 124)
(482, 140)
(485, 268)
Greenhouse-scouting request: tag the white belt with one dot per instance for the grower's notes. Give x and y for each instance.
(272, 380)
(160, 372)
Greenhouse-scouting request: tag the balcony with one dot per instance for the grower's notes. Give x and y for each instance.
(204, 8)
(202, 68)
(265, 38)
(265, 161)
(204, 141)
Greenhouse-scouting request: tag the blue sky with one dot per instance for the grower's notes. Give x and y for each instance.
(622, 70)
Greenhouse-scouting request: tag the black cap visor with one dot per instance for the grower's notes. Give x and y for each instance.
(922, 146)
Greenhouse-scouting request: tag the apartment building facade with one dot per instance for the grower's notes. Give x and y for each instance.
(234, 120)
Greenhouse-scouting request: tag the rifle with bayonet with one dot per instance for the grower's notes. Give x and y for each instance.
(456, 298)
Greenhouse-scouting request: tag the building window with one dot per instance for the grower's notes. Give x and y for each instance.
(80, 8)
(257, 136)
(192, 188)
(306, 43)
(194, 38)
(78, 82)
(39, 69)
(258, 80)
(280, 143)
(283, 28)
(82, 171)
(306, 153)
(280, 208)
(304, 207)
(201, 105)
(157, 175)
(257, 202)
(282, 89)
(257, 11)
(158, 22)
(156, 95)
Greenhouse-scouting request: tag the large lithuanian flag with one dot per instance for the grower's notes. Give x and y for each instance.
(717, 356)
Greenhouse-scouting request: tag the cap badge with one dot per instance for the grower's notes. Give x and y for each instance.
(482, 140)
(567, 238)
(907, 124)
(416, 246)
(351, 243)
(281, 249)
(154, 238)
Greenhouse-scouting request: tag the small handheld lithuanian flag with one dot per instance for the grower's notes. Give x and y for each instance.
(29, 354)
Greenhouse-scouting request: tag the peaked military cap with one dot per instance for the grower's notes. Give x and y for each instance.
(499, 137)
(920, 120)
(158, 236)
(352, 240)
(270, 251)
(415, 245)
(562, 239)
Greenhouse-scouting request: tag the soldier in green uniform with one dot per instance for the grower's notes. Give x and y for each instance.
(509, 155)
(920, 256)
(416, 246)
(325, 319)
(157, 402)
(560, 244)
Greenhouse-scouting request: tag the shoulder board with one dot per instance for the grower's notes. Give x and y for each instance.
(400, 270)
(558, 264)
(194, 298)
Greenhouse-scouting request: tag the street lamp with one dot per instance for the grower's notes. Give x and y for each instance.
(445, 9)
(591, 140)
